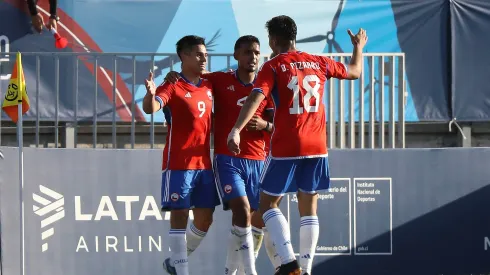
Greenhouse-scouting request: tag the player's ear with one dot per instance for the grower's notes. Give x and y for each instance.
(235, 55)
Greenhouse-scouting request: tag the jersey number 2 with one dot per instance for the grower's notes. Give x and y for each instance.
(201, 106)
(310, 92)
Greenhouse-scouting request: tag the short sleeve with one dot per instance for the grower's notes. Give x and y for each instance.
(265, 79)
(334, 69)
(164, 93)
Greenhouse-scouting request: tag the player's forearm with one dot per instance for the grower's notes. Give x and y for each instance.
(355, 66)
(31, 4)
(150, 104)
(248, 110)
(269, 127)
(269, 118)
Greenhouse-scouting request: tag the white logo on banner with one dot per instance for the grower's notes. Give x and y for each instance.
(50, 209)
(49, 205)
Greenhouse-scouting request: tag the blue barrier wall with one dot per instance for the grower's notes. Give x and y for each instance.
(442, 39)
(388, 212)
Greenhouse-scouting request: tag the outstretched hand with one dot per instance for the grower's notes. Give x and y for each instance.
(360, 39)
(151, 88)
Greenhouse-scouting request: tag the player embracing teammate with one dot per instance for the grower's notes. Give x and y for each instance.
(293, 81)
(237, 176)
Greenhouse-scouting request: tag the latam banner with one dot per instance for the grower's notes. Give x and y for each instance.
(387, 212)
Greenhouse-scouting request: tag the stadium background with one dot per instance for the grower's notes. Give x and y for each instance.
(446, 68)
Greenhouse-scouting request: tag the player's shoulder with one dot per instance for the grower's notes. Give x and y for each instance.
(166, 86)
(223, 74)
(271, 63)
(304, 56)
(320, 57)
(216, 77)
(205, 84)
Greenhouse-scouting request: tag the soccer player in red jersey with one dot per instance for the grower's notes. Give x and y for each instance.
(295, 81)
(237, 176)
(187, 177)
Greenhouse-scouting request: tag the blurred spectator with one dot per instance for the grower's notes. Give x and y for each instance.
(37, 19)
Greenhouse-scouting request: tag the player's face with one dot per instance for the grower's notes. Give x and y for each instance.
(248, 56)
(196, 59)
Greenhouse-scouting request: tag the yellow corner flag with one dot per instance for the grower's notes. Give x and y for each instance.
(16, 92)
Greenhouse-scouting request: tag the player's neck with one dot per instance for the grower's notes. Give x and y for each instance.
(191, 77)
(245, 77)
(291, 47)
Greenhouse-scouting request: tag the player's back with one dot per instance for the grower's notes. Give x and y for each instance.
(298, 92)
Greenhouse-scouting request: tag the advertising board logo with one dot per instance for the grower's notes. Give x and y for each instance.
(50, 207)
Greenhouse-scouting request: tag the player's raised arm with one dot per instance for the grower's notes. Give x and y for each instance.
(354, 69)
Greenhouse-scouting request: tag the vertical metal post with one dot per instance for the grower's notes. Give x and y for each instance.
(381, 125)
(57, 107)
(352, 114)
(372, 106)
(114, 102)
(331, 114)
(133, 105)
(361, 108)
(152, 121)
(75, 122)
(341, 108)
(401, 102)
(94, 121)
(38, 80)
(391, 126)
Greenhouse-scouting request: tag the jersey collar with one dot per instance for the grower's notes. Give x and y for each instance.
(190, 82)
(299, 52)
(244, 84)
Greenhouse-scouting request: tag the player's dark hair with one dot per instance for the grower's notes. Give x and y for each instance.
(246, 40)
(282, 28)
(186, 43)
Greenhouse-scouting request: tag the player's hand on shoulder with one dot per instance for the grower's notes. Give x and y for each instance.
(233, 141)
(360, 39)
(172, 77)
(256, 123)
(151, 88)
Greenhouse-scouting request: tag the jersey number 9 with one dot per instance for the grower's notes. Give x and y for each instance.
(201, 106)
(310, 92)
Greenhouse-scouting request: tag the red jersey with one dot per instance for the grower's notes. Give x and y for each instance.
(229, 95)
(295, 80)
(187, 108)
(267, 136)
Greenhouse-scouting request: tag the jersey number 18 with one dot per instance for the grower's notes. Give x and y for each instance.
(294, 86)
